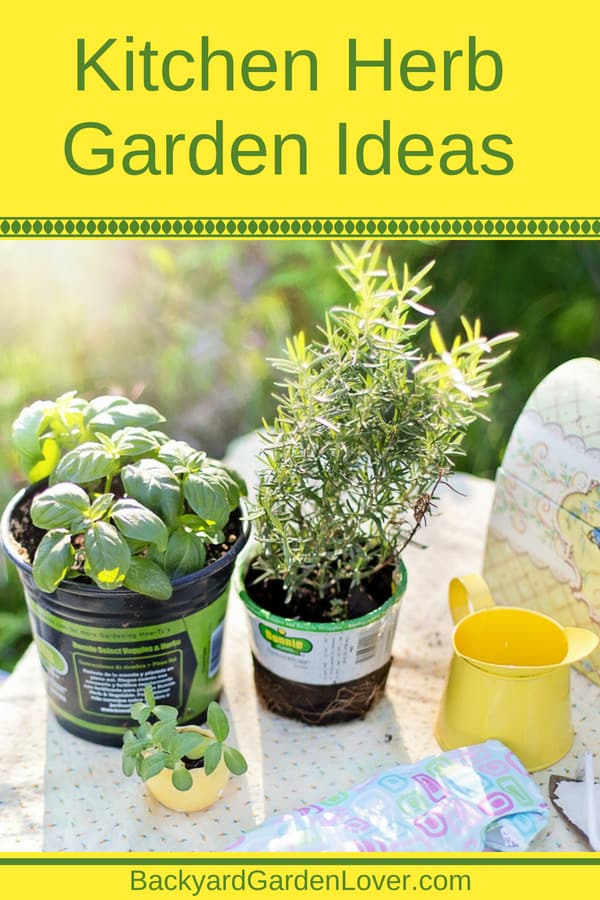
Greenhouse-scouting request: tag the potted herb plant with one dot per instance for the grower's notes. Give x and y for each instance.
(125, 544)
(367, 427)
(185, 767)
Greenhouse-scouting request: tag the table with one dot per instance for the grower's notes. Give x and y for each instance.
(60, 793)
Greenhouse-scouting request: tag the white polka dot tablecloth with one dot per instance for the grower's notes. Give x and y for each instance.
(60, 793)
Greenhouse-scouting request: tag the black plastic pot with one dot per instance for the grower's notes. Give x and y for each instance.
(99, 648)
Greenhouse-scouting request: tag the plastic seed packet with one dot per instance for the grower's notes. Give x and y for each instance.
(470, 799)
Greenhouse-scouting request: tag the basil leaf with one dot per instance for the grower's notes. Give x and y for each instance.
(233, 483)
(152, 483)
(46, 465)
(193, 522)
(181, 457)
(102, 404)
(53, 559)
(207, 499)
(139, 523)
(209, 534)
(132, 441)
(65, 419)
(59, 506)
(147, 578)
(108, 414)
(107, 556)
(101, 506)
(186, 553)
(86, 463)
(36, 456)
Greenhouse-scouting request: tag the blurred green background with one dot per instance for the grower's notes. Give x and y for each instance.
(189, 326)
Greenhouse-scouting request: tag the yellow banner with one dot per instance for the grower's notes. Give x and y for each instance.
(480, 877)
(284, 119)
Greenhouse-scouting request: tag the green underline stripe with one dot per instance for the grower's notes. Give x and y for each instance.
(150, 862)
(292, 227)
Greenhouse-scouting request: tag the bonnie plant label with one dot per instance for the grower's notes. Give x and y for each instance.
(324, 657)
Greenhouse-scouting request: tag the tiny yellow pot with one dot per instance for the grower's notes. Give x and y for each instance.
(205, 789)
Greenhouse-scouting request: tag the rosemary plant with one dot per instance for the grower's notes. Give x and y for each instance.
(367, 427)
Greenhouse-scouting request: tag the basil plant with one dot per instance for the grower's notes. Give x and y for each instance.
(125, 505)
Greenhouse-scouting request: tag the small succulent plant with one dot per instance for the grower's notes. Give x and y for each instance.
(159, 743)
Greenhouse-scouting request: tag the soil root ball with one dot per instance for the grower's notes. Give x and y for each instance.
(319, 704)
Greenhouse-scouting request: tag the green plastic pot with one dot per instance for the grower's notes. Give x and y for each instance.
(321, 673)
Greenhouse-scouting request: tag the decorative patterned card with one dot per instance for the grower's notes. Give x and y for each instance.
(543, 547)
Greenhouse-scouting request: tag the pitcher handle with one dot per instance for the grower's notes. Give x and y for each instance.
(467, 595)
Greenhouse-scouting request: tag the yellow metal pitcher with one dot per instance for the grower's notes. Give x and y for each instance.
(509, 677)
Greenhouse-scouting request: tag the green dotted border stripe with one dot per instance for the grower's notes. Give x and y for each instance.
(386, 860)
(322, 227)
